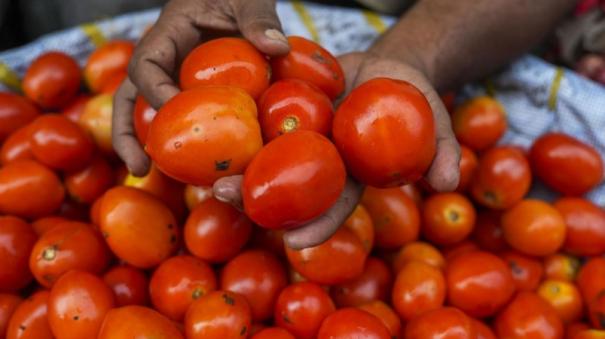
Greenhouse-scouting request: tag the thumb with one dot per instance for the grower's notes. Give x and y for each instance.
(258, 22)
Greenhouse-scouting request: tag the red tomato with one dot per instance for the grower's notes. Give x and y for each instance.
(561, 267)
(15, 112)
(112, 57)
(197, 194)
(29, 189)
(96, 120)
(30, 321)
(17, 146)
(273, 333)
(385, 132)
(413, 192)
(389, 318)
(564, 297)
(138, 227)
(52, 80)
(442, 323)
(218, 315)
(143, 115)
(89, 183)
(466, 246)
(226, 62)
(585, 223)
(590, 334)
(16, 241)
(257, 275)
(483, 331)
(468, 166)
(448, 218)
(488, 233)
(77, 305)
(113, 82)
(309, 61)
(579, 167)
(418, 288)
(137, 322)
(290, 105)
(479, 123)
(360, 223)
(351, 322)
(596, 311)
(591, 279)
(528, 316)
(303, 166)
(76, 107)
(218, 122)
(527, 272)
(418, 251)
(301, 307)
(374, 283)
(215, 231)
(574, 329)
(129, 285)
(45, 224)
(95, 212)
(8, 305)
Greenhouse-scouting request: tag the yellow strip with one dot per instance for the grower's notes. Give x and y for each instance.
(94, 34)
(490, 89)
(132, 181)
(9, 77)
(375, 21)
(554, 89)
(306, 18)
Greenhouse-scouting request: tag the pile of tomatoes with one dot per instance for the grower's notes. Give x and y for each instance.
(88, 250)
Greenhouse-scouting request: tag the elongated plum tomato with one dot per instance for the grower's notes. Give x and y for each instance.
(137, 322)
(205, 133)
(292, 180)
(226, 62)
(352, 323)
(479, 123)
(88, 184)
(384, 130)
(528, 316)
(309, 61)
(443, 323)
(15, 112)
(30, 321)
(585, 224)
(143, 115)
(96, 120)
(16, 241)
(17, 146)
(292, 104)
(129, 285)
(52, 80)
(107, 60)
(566, 164)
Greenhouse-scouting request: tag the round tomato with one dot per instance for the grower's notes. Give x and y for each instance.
(112, 57)
(218, 315)
(15, 112)
(442, 323)
(360, 223)
(17, 146)
(52, 80)
(527, 272)
(129, 285)
(448, 218)
(413, 192)
(197, 194)
(561, 267)
(479, 123)
(96, 120)
(591, 279)
(585, 223)
(293, 180)
(418, 251)
(351, 322)
(483, 331)
(76, 107)
(564, 297)
(89, 183)
(528, 316)
(468, 166)
(45, 224)
(143, 115)
(8, 305)
(374, 283)
(30, 320)
(488, 233)
(273, 333)
(113, 82)
(382, 311)
(17, 239)
(137, 322)
(385, 131)
(418, 288)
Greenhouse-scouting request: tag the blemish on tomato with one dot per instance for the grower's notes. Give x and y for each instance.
(222, 165)
(228, 299)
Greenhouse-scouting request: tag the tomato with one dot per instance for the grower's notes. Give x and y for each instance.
(95, 212)
(215, 231)
(303, 166)
(395, 216)
(142, 115)
(312, 63)
(89, 183)
(452, 251)
(574, 329)
(15, 112)
(468, 166)
(564, 297)
(418, 251)
(413, 193)
(479, 123)
(382, 311)
(385, 132)
(138, 227)
(561, 267)
(17, 146)
(360, 223)
(590, 334)
(16, 241)
(528, 316)
(45, 224)
(301, 307)
(52, 80)
(488, 233)
(76, 107)
(502, 179)
(483, 331)
(8, 305)
(270, 240)
(374, 283)
(218, 315)
(585, 223)
(273, 333)
(226, 62)
(129, 285)
(112, 57)
(534, 227)
(257, 275)
(596, 312)
(291, 104)
(113, 82)
(218, 122)
(96, 120)
(418, 288)
(77, 305)
(527, 272)
(68, 246)
(579, 167)
(255, 328)
(591, 279)
(442, 323)
(197, 194)
(137, 322)
(448, 218)
(351, 322)
(29, 320)
(339, 259)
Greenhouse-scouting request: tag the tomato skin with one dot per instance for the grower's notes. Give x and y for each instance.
(528, 316)
(596, 312)
(129, 285)
(113, 82)
(137, 322)
(418, 251)
(385, 132)
(52, 80)
(452, 251)
(89, 183)
(448, 218)
(8, 305)
(488, 233)
(219, 122)
(374, 283)
(443, 323)
(77, 305)
(360, 223)
(218, 315)
(579, 167)
(76, 107)
(143, 115)
(197, 194)
(418, 288)
(138, 227)
(585, 225)
(16, 241)
(15, 112)
(215, 231)
(96, 121)
(303, 166)
(574, 329)
(386, 314)
(590, 334)
(483, 331)
(468, 165)
(591, 279)
(527, 272)
(479, 123)
(561, 267)
(17, 146)
(45, 224)
(352, 323)
(273, 333)
(309, 61)
(112, 57)
(29, 321)
(226, 62)
(564, 297)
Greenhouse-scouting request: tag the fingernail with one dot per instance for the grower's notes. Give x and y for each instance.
(274, 34)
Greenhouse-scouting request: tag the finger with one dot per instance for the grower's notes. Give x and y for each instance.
(123, 137)
(350, 63)
(258, 22)
(228, 189)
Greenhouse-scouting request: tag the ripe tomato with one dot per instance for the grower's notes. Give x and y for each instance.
(303, 166)
(138, 227)
(95, 213)
(16, 241)
(8, 305)
(215, 231)
(534, 227)
(442, 323)
(197, 194)
(218, 315)
(574, 329)
(483, 331)
(529, 316)
(17, 146)
(561, 267)
(374, 283)
(564, 297)
(76, 107)
(15, 112)
(385, 131)
(395, 216)
(596, 312)
(502, 178)
(273, 333)
(488, 233)
(351, 322)
(579, 167)
(257, 275)
(292, 104)
(412, 191)
(129, 285)
(309, 61)
(96, 120)
(468, 166)
(527, 272)
(591, 279)
(218, 122)
(52, 80)
(142, 115)
(389, 318)
(112, 57)
(418, 251)
(77, 305)
(29, 320)
(360, 223)
(590, 334)
(585, 223)
(45, 224)
(226, 62)
(448, 218)
(89, 183)
(68, 246)
(137, 322)
(301, 308)
(479, 123)
(452, 251)
(113, 82)
(418, 288)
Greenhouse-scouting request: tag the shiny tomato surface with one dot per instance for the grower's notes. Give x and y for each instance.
(137, 322)
(17, 238)
(111, 58)
(52, 80)
(15, 112)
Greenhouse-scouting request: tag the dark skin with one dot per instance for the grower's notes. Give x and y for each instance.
(436, 45)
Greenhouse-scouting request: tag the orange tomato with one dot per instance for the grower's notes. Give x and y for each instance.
(129, 285)
(16, 241)
(389, 318)
(8, 305)
(30, 320)
(45, 224)
(418, 288)
(17, 146)
(479, 123)
(564, 297)
(95, 212)
(76, 107)
(197, 194)
(483, 330)
(52, 80)
(452, 251)
(590, 334)
(360, 223)
(448, 218)
(529, 316)
(112, 57)
(561, 267)
(488, 233)
(418, 251)
(142, 115)
(89, 183)
(218, 315)
(15, 112)
(352, 323)
(468, 166)
(137, 322)
(443, 323)
(585, 223)
(96, 121)
(374, 283)
(273, 333)
(527, 271)
(412, 191)
(596, 311)
(574, 329)
(591, 279)
(113, 82)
